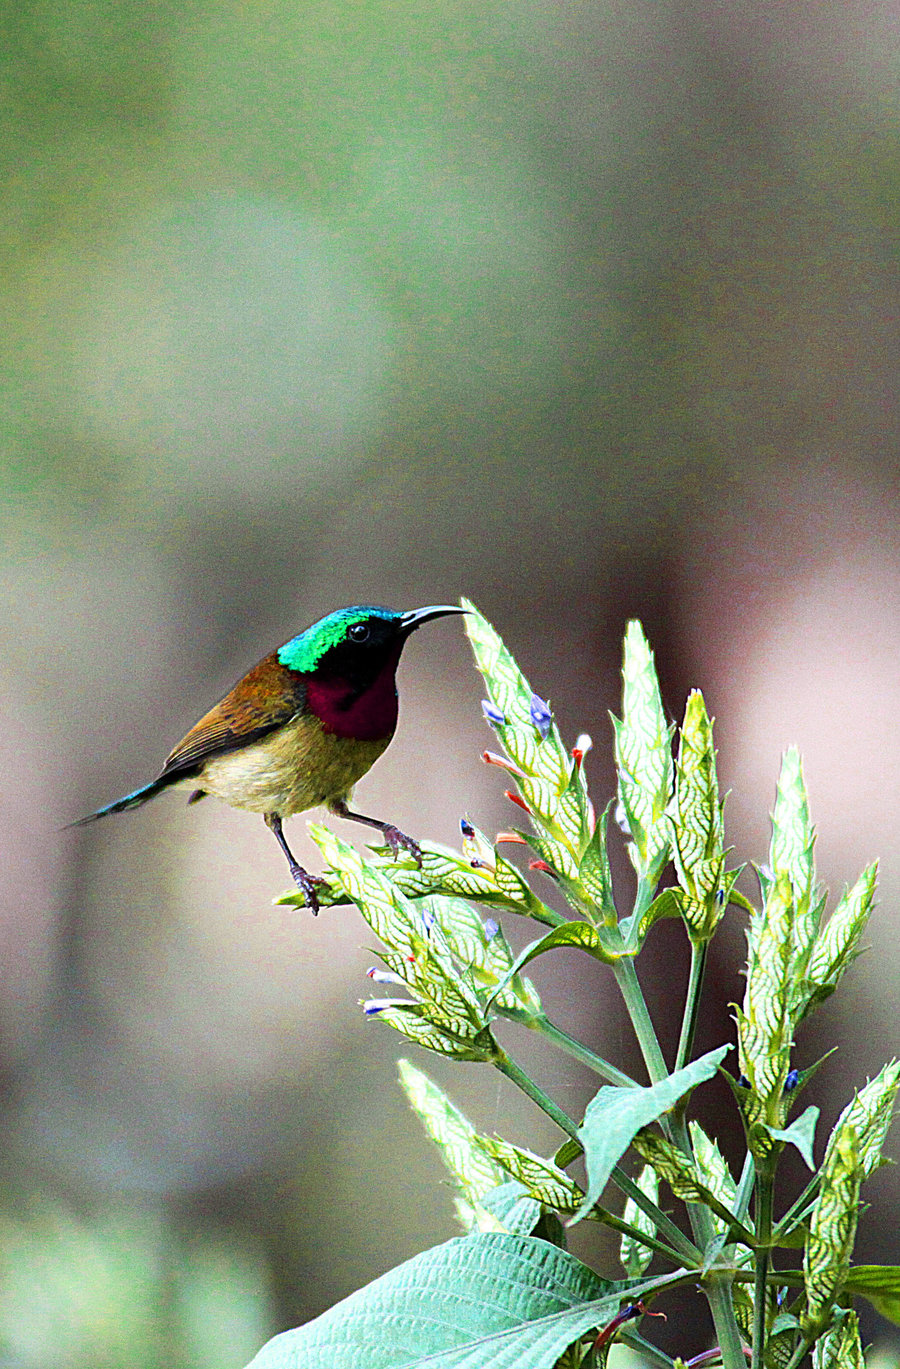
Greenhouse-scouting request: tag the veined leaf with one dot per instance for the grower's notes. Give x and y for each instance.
(595, 875)
(485, 1301)
(580, 934)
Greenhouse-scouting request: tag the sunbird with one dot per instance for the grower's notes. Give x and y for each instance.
(300, 728)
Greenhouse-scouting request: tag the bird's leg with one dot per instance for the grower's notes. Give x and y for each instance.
(304, 881)
(398, 841)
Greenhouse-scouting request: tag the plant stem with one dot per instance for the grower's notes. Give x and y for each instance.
(567, 1043)
(537, 1095)
(692, 1003)
(718, 1295)
(665, 1225)
(643, 898)
(798, 1208)
(626, 1229)
(629, 987)
(762, 1215)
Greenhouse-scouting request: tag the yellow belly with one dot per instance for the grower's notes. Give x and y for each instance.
(296, 767)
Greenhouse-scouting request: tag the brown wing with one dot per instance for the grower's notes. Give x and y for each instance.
(268, 695)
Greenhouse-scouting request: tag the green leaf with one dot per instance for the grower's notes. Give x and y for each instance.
(879, 1284)
(711, 1165)
(486, 958)
(443, 871)
(837, 944)
(413, 1022)
(666, 904)
(636, 1256)
(801, 1133)
(615, 1115)
(485, 1301)
(683, 1178)
(832, 1230)
(764, 1023)
(870, 1113)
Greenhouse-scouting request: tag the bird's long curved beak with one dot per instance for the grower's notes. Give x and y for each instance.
(417, 616)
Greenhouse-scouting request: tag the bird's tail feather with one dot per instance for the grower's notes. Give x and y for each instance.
(132, 800)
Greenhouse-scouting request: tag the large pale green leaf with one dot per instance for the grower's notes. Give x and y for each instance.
(615, 1115)
(485, 1301)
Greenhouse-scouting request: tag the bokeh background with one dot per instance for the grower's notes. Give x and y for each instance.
(586, 310)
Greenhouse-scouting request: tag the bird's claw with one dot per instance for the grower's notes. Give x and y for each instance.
(398, 841)
(306, 883)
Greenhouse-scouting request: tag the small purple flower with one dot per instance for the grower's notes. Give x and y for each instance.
(540, 715)
(491, 928)
(428, 919)
(384, 976)
(376, 1005)
(466, 828)
(493, 714)
(792, 1080)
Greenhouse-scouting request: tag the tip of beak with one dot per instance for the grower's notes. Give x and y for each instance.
(418, 616)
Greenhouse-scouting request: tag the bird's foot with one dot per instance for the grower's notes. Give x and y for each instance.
(306, 883)
(398, 841)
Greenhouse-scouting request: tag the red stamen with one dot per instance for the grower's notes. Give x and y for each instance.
(510, 837)
(542, 866)
(518, 801)
(491, 758)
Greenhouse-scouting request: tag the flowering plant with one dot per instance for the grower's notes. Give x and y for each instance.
(508, 1293)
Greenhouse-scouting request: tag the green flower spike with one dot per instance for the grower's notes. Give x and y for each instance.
(764, 1022)
(445, 1014)
(697, 826)
(473, 1170)
(837, 944)
(840, 1347)
(643, 743)
(832, 1230)
(869, 1114)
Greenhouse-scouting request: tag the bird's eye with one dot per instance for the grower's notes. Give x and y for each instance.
(359, 632)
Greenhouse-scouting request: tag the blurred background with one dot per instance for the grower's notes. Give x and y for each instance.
(587, 310)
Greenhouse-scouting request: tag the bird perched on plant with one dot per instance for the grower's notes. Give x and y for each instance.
(300, 728)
